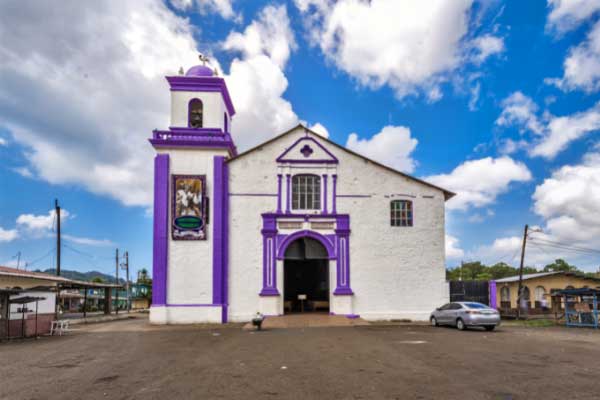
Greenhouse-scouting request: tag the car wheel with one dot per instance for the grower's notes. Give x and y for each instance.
(433, 321)
(490, 328)
(460, 324)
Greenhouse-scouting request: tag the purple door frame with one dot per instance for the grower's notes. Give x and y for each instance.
(275, 244)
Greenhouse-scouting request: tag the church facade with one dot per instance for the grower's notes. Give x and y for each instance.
(296, 224)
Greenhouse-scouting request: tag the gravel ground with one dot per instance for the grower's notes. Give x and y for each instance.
(133, 360)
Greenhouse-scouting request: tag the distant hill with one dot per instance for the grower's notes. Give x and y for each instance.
(82, 276)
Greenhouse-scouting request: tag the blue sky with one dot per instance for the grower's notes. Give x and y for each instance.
(494, 100)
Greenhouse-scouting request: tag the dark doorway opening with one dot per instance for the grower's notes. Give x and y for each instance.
(306, 276)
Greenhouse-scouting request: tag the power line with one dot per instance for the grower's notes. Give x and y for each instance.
(89, 256)
(29, 264)
(565, 247)
(579, 248)
(510, 259)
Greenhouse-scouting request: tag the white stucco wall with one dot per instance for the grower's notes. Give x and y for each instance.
(213, 111)
(396, 272)
(45, 306)
(189, 271)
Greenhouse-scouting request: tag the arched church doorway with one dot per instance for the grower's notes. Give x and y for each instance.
(306, 276)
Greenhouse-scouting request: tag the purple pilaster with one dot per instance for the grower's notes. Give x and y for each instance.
(279, 193)
(220, 234)
(288, 197)
(161, 230)
(225, 242)
(269, 233)
(493, 299)
(343, 257)
(334, 194)
(324, 194)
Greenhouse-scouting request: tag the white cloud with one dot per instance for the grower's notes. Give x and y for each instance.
(485, 46)
(412, 46)
(569, 204)
(222, 7)
(318, 128)
(41, 224)
(568, 14)
(551, 134)
(561, 131)
(504, 249)
(270, 34)
(88, 241)
(569, 201)
(84, 110)
(257, 82)
(453, 251)
(474, 96)
(582, 65)
(520, 110)
(36, 226)
(3, 142)
(8, 235)
(509, 146)
(391, 146)
(477, 183)
(23, 171)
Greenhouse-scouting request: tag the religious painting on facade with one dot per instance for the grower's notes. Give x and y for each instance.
(188, 207)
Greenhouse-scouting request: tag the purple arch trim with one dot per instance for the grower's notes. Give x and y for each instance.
(275, 244)
(194, 100)
(305, 233)
(202, 84)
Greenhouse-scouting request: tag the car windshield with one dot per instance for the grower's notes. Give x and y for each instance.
(475, 305)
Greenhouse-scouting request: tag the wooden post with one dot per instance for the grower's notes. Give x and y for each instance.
(107, 301)
(36, 318)
(22, 320)
(520, 291)
(85, 289)
(117, 281)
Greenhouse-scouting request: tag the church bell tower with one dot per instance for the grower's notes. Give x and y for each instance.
(190, 239)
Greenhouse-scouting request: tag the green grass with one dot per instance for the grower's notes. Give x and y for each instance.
(532, 323)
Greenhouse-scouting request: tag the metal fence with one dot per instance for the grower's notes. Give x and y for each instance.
(470, 291)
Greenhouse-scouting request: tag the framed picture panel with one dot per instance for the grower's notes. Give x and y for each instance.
(188, 207)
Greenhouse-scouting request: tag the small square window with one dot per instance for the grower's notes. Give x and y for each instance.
(401, 213)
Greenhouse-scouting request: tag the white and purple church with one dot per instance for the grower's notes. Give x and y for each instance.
(295, 224)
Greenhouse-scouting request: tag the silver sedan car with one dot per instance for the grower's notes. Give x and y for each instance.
(463, 314)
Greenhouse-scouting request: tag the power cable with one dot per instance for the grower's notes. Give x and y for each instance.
(552, 242)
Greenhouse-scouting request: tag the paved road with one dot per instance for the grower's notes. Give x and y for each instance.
(132, 360)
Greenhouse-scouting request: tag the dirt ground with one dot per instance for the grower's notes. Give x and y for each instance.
(133, 360)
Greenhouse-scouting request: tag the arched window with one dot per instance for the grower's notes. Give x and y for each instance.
(540, 292)
(306, 192)
(225, 123)
(401, 213)
(195, 113)
(526, 295)
(505, 294)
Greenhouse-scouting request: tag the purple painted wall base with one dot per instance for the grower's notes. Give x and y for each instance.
(493, 299)
(160, 251)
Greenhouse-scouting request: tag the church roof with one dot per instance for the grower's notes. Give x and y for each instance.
(447, 194)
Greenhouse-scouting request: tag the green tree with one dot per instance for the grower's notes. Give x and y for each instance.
(97, 279)
(481, 272)
(560, 265)
(502, 270)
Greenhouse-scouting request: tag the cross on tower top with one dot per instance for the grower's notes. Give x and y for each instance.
(204, 59)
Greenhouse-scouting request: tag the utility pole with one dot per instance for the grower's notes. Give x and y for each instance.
(520, 292)
(117, 281)
(57, 214)
(127, 281)
(18, 255)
